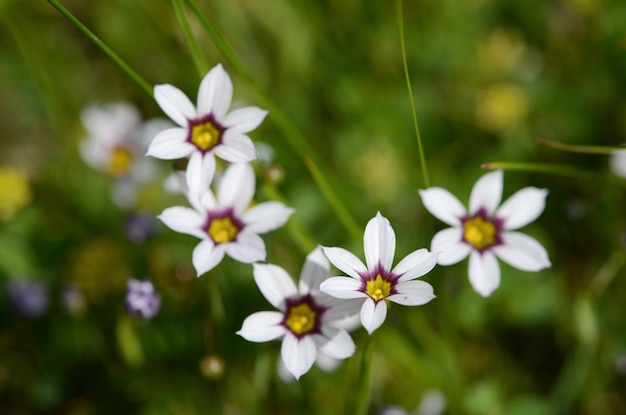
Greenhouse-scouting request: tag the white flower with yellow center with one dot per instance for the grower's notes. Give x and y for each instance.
(115, 144)
(485, 230)
(227, 224)
(206, 130)
(376, 281)
(308, 321)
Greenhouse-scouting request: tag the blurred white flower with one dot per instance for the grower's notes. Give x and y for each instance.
(306, 317)
(433, 403)
(617, 161)
(115, 144)
(377, 282)
(226, 224)
(484, 231)
(206, 130)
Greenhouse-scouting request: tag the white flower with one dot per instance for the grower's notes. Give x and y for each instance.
(116, 142)
(377, 282)
(306, 320)
(205, 130)
(226, 224)
(484, 231)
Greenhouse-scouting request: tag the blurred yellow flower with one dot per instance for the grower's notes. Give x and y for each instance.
(585, 6)
(500, 53)
(99, 269)
(15, 192)
(501, 107)
(383, 182)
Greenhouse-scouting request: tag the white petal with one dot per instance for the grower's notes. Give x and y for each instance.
(248, 248)
(237, 187)
(342, 287)
(342, 312)
(379, 241)
(183, 220)
(412, 293)
(522, 252)
(266, 217)
(206, 256)
(244, 120)
(325, 362)
(443, 205)
(373, 314)
(415, 265)
(263, 326)
(345, 261)
(298, 354)
(93, 153)
(215, 93)
(486, 193)
(522, 208)
(335, 343)
(208, 201)
(275, 284)
(450, 246)
(236, 148)
(200, 172)
(484, 272)
(617, 161)
(170, 144)
(175, 104)
(314, 271)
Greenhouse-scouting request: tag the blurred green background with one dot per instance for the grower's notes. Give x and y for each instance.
(489, 77)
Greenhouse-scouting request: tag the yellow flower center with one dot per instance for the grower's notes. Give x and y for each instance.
(479, 232)
(301, 319)
(119, 162)
(378, 288)
(205, 135)
(15, 192)
(222, 230)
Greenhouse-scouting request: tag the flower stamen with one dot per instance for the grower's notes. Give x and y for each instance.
(205, 135)
(479, 232)
(301, 319)
(378, 288)
(222, 230)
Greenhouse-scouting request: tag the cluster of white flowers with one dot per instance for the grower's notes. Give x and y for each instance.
(224, 221)
(315, 316)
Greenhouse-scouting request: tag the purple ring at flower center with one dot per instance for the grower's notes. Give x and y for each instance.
(223, 226)
(303, 316)
(205, 133)
(482, 232)
(378, 283)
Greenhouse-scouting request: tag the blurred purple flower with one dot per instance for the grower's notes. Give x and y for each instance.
(28, 298)
(138, 227)
(142, 300)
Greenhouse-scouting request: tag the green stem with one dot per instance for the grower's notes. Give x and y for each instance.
(95, 39)
(560, 170)
(291, 133)
(410, 89)
(579, 149)
(183, 21)
(335, 202)
(607, 273)
(362, 382)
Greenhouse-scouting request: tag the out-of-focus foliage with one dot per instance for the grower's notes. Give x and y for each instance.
(489, 77)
